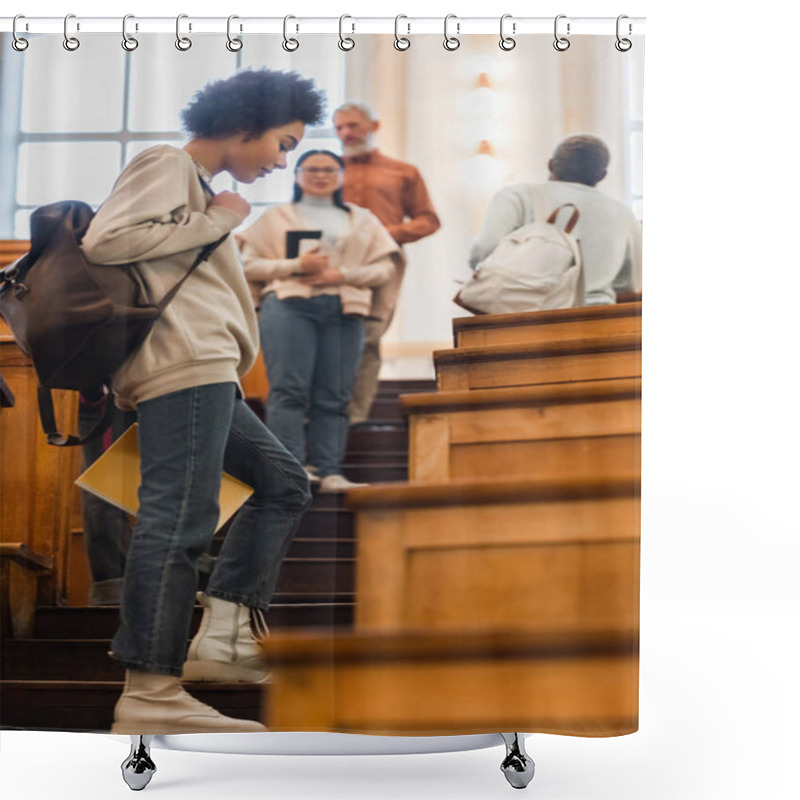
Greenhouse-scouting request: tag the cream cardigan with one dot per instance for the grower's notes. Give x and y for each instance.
(157, 216)
(367, 256)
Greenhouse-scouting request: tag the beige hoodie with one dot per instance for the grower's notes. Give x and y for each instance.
(157, 216)
(367, 256)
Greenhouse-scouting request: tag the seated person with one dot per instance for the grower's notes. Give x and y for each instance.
(313, 309)
(609, 234)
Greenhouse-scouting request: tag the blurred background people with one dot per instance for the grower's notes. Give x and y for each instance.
(396, 193)
(609, 234)
(313, 307)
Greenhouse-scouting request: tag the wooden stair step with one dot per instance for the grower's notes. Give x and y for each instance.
(377, 438)
(88, 706)
(581, 429)
(320, 575)
(536, 326)
(452, 554)
(100, 622)
(419, 681)
(556, 361)
(311, 548)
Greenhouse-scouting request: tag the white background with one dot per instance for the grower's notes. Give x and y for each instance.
(719, 681)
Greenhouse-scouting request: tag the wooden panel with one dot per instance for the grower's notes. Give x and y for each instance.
(453, 684)
(534, 326)
(35, 478)
(569, 587)
(528, 371)
(559, 458)
(421, 565)
(527, 330)
(255, 384)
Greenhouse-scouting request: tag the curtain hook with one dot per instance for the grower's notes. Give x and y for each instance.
(507, 42)
(19, 43)
(401, 42)
(561, 43)
(451, 42)
(70, 42)
(182, 42)
(290, 45)
(345, 43)
(623, 45)
(129, 43)
(233, 44)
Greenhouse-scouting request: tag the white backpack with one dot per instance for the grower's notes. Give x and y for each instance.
(536, 267)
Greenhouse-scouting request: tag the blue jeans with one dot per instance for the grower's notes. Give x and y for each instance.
(312, 351)
(186, 439)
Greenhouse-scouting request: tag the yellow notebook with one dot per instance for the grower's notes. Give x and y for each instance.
(115, 477)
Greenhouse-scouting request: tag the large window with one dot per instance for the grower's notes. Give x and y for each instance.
(103, 105)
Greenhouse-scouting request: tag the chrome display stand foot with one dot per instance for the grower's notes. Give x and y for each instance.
(138, 768)
(517, 766)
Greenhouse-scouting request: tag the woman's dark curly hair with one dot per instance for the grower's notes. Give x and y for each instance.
(252, 101)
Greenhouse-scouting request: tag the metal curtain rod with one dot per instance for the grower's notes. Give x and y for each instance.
(321, 25)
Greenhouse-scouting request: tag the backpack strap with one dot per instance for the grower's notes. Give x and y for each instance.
(48, 418)
(45, 397)
(205, 254)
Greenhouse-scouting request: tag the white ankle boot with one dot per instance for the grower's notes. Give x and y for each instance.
(224, 648)
(157, 704)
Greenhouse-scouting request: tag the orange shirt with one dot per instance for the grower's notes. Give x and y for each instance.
(394, 192)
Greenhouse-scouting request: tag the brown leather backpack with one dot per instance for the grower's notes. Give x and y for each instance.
(77, 321)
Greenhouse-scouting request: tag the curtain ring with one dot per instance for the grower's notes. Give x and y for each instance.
(507, 42)
(19, 44)
(182, 42)
(623, 45)
(233, 44)
(451, 42)
(401, 42)
(129, 43)
(345, 43)
(70, 42)
(289, 45)
(561, 43)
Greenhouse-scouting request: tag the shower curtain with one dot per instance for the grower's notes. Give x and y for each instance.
(487, 577)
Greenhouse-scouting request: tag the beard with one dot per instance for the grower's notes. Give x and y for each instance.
(360, 149)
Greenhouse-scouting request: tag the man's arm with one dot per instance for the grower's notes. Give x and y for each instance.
(506, 213)
(417, 207)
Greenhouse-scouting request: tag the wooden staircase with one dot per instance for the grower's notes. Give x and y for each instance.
(498, 589)
(60, 677)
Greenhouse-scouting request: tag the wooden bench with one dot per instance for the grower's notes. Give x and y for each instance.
(36, 479)
(419, 683)
(20, 569)
(554, 361)
(580, 429)
(545, 555)
(539, 326)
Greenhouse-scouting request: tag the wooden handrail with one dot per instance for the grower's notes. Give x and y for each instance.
(586, 313)
(22, 554)
(470, 492)
(543, 395)
(327, 648)
(505, 352)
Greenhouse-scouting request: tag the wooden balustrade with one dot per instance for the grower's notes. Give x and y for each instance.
(554, 361)
(423, 683)
(539, 326)
(554, 430)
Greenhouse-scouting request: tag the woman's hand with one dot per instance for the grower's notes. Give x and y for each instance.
(231, 200)
(314, 262)
(328, 277)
